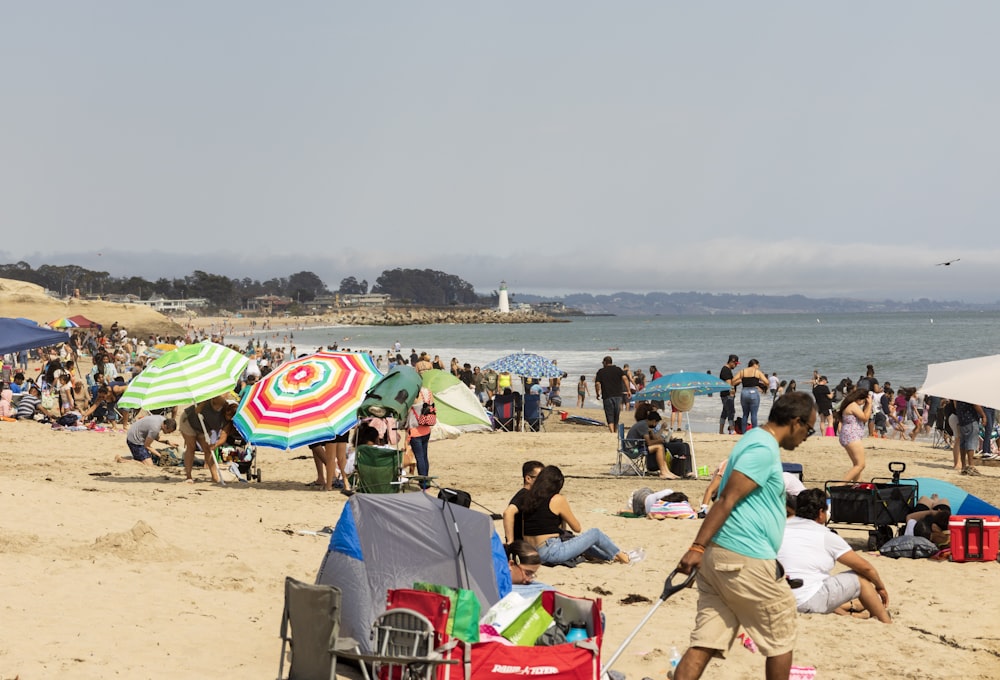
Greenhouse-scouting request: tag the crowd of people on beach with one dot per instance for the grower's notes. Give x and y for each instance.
(755, 521)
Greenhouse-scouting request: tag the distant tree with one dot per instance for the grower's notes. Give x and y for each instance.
(305, 286)
(425, 287)
(351, 286)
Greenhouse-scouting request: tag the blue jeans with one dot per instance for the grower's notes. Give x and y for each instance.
(988, 436)
(594, 541)
(419, 446)
(750, 401)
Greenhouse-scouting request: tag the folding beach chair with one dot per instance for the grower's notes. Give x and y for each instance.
(377, 469)
(504, 413)
(313, 613)
(532, 418)
(632, 454)
(409, 640)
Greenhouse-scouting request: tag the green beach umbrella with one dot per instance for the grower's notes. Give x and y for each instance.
(185, 375)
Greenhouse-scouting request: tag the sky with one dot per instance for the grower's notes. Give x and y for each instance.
(824, 149)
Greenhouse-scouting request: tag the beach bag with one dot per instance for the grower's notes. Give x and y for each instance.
(915, 547)
(680, 457)
(428, 415)
(463, 618)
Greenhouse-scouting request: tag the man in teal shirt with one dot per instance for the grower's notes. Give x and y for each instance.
(736, 549)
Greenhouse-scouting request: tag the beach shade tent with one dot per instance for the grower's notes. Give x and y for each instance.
(387, 541)
(83, 322)
(393, 395)
(458, 409)
(18, 334)
(525, 365)
(307, 400)
(962, 502)
(684, 386)
(975, 381)
(186, 375)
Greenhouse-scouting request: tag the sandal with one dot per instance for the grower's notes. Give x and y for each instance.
(315, 484)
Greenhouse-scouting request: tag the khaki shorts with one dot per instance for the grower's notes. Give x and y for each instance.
(734, 591)
(185, 427)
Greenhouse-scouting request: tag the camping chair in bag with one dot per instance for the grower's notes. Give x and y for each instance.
(504, 413)
(377, 469)
(409, 640)
(632, 455)
(313, 612)
(532, 418)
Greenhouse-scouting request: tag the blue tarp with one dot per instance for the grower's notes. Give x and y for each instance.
(16, 335)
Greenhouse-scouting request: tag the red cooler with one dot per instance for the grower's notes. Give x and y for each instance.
(974, 538)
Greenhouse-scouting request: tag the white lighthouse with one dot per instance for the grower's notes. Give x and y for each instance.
(504, 302)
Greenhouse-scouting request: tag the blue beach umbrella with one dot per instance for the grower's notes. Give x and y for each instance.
(962, 502)
(525, 365)
(696, 383)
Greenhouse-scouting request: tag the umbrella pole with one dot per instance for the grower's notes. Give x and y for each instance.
(694, 462)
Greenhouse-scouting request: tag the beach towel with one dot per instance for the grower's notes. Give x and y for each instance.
(678, 510)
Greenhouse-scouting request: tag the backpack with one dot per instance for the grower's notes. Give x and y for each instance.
(915, 547)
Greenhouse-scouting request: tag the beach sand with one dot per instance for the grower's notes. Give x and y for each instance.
(118, 570)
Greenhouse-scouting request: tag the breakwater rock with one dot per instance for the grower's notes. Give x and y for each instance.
(424, 316)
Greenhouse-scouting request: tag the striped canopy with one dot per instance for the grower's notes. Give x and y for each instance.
(307, 400)
(188, 374)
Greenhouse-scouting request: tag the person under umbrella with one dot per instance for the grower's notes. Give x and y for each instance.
(196, 423)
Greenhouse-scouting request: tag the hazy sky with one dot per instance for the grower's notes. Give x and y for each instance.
(771, 147)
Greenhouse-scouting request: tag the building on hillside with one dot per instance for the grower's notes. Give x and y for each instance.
(165, 305)
(269, 304)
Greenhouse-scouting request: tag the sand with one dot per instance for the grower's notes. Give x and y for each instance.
(116, 569)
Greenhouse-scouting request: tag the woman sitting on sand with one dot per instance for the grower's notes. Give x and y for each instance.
(545, 511)
(809, 552)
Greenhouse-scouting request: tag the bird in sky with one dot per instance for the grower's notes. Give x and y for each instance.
(948, 263)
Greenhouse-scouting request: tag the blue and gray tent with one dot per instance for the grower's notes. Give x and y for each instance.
(388, 541)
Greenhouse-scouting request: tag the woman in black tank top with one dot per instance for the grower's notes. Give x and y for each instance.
(544, 512)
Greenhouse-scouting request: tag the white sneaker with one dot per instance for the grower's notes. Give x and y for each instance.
(635, 556)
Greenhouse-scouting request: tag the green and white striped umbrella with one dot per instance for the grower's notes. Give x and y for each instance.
(185, 375)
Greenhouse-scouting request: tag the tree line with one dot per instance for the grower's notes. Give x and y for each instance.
(425, 287)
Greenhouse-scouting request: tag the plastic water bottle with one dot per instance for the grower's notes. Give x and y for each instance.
(675, 657)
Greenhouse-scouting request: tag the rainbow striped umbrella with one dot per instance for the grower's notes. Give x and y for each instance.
(307, 400)
(63, 323)
(188, 374)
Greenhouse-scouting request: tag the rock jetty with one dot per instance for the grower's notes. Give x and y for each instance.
(396, 316)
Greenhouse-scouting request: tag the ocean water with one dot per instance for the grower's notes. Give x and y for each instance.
(899, 345)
